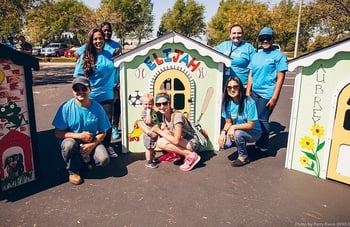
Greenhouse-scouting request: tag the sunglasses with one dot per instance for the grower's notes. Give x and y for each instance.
(79, 88)
(268, 38)
(161, 103)
(235, 87)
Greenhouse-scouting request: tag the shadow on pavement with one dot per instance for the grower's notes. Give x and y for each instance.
(51, 170)
(278, 140)
(52, 79)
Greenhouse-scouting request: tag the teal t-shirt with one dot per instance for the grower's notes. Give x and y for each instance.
(265, 65)
(250, 113)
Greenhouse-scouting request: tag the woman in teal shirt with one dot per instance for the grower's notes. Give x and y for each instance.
(240, 53)
(241, 120)
(95, 63)
(267, 72)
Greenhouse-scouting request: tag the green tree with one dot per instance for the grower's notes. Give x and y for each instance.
(332, 18)
(145, 28)
(126, 12)
(12, 16)
(284, 23)
(251, 15)
(48, 20)
(184, 18)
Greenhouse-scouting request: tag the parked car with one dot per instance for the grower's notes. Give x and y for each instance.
(70, 52)
(54, 49)
(36, 50)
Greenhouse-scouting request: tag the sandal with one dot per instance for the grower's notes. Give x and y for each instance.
(239, 163)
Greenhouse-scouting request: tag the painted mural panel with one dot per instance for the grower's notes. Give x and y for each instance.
(191, 79)
(16, 165)
(320, 85)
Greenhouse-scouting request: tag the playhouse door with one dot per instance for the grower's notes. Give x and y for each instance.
(339, 160)
(177, 85)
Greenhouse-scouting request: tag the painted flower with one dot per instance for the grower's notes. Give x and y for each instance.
(307, 143)
(304, 160)
(317, 130)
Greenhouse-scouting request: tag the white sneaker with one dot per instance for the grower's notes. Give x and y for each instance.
(111, 152)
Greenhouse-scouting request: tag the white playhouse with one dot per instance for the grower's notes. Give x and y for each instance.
(319, 139)
(188, 70)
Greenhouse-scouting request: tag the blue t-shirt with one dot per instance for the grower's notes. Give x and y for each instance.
(265, 65)
(74, 118)
(103, 79)
(240, 57)
(250, 113)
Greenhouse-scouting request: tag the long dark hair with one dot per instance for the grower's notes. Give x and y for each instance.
(226, 98)
(89, 58)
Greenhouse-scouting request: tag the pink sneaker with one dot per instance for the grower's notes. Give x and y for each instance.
(169, 157)
(190, 161)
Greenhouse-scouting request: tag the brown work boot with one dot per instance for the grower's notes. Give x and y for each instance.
(74, 178)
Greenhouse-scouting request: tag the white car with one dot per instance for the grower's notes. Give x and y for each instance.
(54, 49)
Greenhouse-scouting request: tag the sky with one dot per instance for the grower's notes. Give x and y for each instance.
(161, 6)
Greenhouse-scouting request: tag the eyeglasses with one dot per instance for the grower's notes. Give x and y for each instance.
(79, 88)
(268, 38)
(161, 103)
(235, 87)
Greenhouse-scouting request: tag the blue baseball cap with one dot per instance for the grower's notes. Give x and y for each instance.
(266, 31)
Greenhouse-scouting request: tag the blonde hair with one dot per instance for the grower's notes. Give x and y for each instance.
(147, 96)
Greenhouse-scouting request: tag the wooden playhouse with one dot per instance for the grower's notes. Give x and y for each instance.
(190, 71)
(319, 139)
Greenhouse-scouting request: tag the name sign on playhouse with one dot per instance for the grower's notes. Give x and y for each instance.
(170, 55)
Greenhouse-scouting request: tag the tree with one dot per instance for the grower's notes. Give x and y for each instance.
(126, 12)
(12, 16)
(184, 18)
(145, 28)
(332, 18)
(252, 16)
(48, 20)
(284, 23)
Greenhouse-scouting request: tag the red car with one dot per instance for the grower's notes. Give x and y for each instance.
(70, 52)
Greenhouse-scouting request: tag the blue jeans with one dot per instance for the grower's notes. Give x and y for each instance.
(70, 151)
(264, 114)
(242, 137)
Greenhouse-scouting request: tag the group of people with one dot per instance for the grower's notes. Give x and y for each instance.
(83, 130)
(23, 45)
(252, 86)
(84, 123)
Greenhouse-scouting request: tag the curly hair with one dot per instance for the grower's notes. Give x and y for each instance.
(89, 58)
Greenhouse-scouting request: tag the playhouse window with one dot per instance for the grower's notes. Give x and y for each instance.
(346, 124)
(178, 85)
(179, 101)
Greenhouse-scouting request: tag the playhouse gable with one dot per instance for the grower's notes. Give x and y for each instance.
(319, 142)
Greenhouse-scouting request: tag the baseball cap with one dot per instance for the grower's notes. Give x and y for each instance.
(266, 31)
(81, 80)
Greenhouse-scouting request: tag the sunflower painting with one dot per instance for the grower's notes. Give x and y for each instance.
(310, 147)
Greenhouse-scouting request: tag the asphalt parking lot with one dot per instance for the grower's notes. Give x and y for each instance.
(125, 193)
